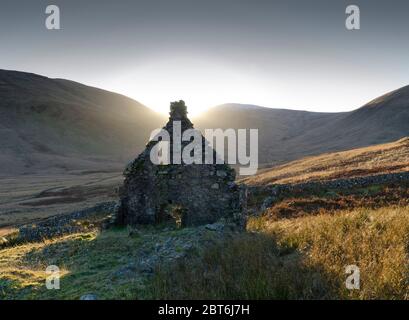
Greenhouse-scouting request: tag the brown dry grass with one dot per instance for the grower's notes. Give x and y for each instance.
(384, 158)
(377, 196)
(247, 266)
(303, 258)
(377, 241)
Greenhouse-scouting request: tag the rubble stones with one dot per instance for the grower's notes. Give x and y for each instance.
(66, 223)
(274, 191)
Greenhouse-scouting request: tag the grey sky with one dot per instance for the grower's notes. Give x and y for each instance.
(282, 54)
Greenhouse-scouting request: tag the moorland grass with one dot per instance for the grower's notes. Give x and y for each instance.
(302, 258)
(299, 258)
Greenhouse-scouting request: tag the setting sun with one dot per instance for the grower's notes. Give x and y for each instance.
(201, 84)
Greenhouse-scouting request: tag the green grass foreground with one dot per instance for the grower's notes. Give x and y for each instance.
(300, 258)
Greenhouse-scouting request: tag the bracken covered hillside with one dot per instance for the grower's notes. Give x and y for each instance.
(379, 159)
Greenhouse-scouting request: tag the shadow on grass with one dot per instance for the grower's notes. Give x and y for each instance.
(241, 266)
(247, 266)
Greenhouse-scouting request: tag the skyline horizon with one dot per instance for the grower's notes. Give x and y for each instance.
(288, 54)
(165, 108)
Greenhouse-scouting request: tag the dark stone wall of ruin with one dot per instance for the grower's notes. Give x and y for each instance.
(202, 193)
(190, 194)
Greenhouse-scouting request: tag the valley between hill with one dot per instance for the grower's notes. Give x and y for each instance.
(306, 225)
(333, 192)
(57, 126)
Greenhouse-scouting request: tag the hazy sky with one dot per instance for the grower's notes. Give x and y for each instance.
(281, 54)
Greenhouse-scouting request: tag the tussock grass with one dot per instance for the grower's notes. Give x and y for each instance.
(249, 266)
(377, 241)
(302, 258)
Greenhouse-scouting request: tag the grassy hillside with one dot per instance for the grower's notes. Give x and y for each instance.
(297, 245)
(298, 241)
(54, 125)
(113, 264)
(295, 248)
(302, 258)
(287, 135)
(86, 263)
(377, 159)
(277, 128)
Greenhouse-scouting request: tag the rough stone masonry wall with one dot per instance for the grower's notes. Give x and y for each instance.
(200, 193)
(274, 191)
(347, 183)
(188, 194)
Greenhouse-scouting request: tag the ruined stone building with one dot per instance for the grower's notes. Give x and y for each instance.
(187, 194)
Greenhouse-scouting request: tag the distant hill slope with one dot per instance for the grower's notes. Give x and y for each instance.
(286, 135)
(382, 120)
(48, 124)
(384, 158)
(278, 128)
